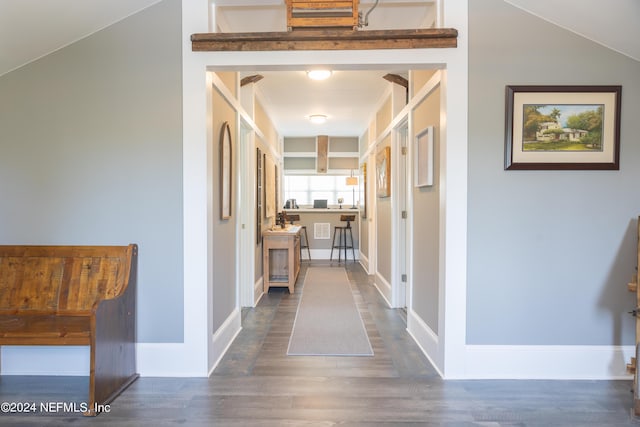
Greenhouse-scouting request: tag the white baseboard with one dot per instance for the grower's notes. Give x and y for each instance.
(152, 359)
(426, 339)
(550, 362)
(482, 361)
(224, 336)
(258, 291)
(325, 254)
(383, 287)
(364, 262)
(45, 360)
(557, 362)
(164, 360)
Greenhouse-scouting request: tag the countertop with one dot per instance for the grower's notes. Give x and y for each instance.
(317, 210)
(289, 229)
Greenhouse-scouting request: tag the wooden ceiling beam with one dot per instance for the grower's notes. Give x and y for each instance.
(326, 39)
(251, 79)
(399, 80)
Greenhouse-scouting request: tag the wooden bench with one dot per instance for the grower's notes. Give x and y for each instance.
(74, 295)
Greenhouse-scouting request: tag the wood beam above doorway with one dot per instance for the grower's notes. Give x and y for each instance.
(327, 39)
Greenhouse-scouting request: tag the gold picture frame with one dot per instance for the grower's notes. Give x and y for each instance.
(363, 190)
(383, 172)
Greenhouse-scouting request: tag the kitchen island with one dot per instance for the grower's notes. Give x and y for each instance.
(320, 223)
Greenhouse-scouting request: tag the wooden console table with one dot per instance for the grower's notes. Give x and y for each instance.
(281, 257)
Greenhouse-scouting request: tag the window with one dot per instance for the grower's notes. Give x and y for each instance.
(306, 188)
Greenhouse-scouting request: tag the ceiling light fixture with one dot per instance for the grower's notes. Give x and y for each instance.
(318, 118)
(319, 74)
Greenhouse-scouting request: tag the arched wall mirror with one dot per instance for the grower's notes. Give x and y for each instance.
(225, 172)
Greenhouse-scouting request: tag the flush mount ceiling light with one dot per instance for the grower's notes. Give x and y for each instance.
(319, 74)
(318, 118)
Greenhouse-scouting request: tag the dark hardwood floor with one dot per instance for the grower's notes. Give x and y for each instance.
(256, 384)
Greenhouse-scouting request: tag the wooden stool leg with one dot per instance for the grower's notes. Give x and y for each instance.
(306, 243)
(333, 244)
(353, 251)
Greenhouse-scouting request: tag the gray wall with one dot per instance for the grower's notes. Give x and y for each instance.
(550, 252)
(224, 230)
(91, 153)
(426, 222)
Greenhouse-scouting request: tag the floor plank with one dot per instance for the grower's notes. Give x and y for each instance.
(257, 384)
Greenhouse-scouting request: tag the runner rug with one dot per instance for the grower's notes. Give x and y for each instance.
(328, 322)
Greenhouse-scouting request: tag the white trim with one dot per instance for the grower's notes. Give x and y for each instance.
(45, 360)
(152, 360)
(197, 301)
(399, 196)
(258, 290)
(235, 104)
(225, 335)
(364, 261)
(378, 106)
(324, 254)
(246, 230)
(453, 189)
(300, 154)
(383, 287)
(557, 362)
(163, 360)
(426, 339)
(342, 154)
(197, 260)
(330, 172)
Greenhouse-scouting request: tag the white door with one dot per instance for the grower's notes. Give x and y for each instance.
(400, 265)
(403, 136)
(246, 229)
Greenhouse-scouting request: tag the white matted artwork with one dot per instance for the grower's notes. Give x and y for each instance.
(423, 158)
(269, 187)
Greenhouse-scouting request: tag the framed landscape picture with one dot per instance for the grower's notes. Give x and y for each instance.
(562, 127)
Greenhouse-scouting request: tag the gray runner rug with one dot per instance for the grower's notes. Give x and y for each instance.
(327, 322)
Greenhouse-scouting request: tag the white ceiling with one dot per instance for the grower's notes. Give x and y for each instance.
(614, 24)
(348, 99)
(30, 29)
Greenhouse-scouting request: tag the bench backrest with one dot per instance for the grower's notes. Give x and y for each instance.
(62, 278)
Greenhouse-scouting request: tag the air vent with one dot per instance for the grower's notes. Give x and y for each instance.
(321, 230)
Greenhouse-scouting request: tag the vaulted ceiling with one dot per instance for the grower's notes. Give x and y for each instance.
(30, 29)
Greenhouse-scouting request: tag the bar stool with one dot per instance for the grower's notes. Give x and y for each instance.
(305, 244)
(342, 238)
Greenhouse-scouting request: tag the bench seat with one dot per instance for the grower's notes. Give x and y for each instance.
(42, 329)
(74, 295)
